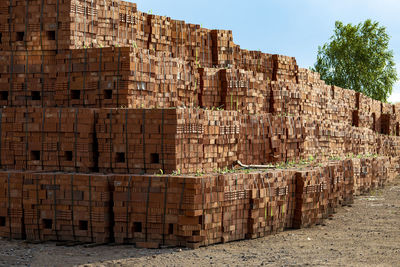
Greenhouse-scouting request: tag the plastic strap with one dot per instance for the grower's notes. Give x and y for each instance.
(90, 208)
(59, 140)
(127, 207)
(202, 203)
(57, 28)
(182, 196)
(76, 22)
(148, 53)
(84, 25)
(41, 24)
(42, 78)
(144, 34)
(198, 138)
(26, 52)
(264, 139)
(26, 78)
(42, 54)
(1, 136)
(147, 207)
(55, 206)
(99, 75)
(144, 141)
(247, 140)
(11, 75)
(84, 77)
(9, 204)
(165, 208)
(92, 15)
(37, 206)
(69, 78)
(12, 51)
(162, 140)
(119, 21)
(182, 136)
(118, 73)
(126, 26)
(112, 19)
(72, 207)
(26, 138)
(111, 140)
(43, 136)
(76, 140)
(126, 141)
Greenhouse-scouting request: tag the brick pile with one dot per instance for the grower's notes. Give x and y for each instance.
(67, 207)
(97, 86)
(47, 139)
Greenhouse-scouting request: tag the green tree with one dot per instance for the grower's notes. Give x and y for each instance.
(358, 57)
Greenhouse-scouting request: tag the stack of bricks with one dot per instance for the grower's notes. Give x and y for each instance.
(180, 211)
(67, 207)
(124, 77)
(136, 140)
(311, 198)
(136, 81)
(11, 208)
(47, 139)
(244, 91)
(272, 203)
(206, 140)
(27, 78)
(222, 49)
(267, 138)
(210, 96)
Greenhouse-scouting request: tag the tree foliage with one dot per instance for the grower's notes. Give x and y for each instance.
(358, 57)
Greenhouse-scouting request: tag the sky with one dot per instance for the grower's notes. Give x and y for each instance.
(288, 27)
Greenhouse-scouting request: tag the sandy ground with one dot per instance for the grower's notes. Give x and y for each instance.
(365, 234)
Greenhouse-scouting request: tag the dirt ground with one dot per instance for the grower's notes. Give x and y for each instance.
(365, 234)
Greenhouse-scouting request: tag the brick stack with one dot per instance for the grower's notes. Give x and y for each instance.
(206, 140)
(210, 95)
(67, 207)
(272, 203)
(136, 82)
(50, 139)
(266, 139)
(11, 209)
(27, 78)
(222, 49)
(136, 141)
(311, 198)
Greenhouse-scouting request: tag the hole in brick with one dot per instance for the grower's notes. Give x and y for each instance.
(137, 227)
(75, 94)
(120, 157)
(171, 229)
(1, 38)
(20, 36)
(2, 221)
(154, 158)
(397, 129)
(68, 155)
(47, 223)
(51, 35)
(36, 95)
(83, 225)
(35, 155)
(4, 95)
(108, 94)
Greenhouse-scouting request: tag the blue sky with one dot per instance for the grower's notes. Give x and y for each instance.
(288, 27)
